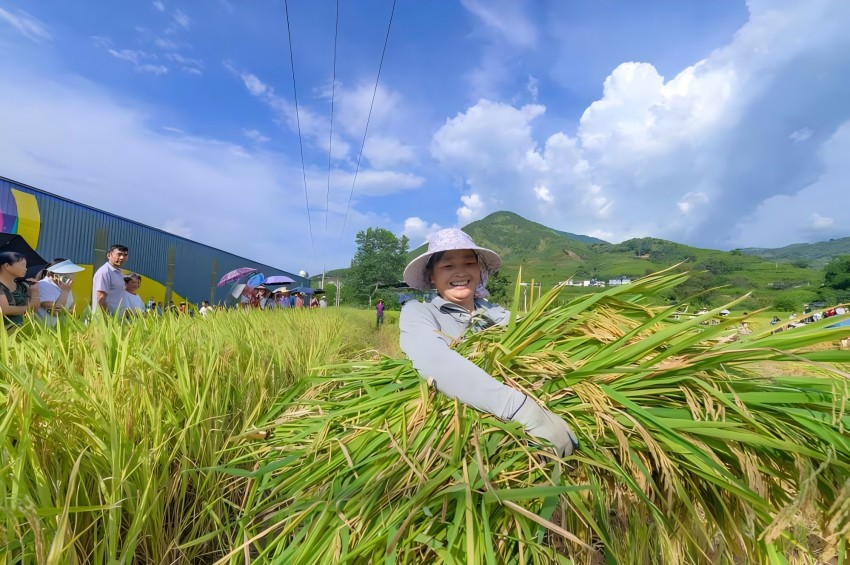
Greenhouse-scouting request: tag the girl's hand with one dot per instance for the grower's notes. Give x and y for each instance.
(32, 287)
(64, 284)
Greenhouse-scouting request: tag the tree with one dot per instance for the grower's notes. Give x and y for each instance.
(837, 273)
(500, 287)
(380, 259)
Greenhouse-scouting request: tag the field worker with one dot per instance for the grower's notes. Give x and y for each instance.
(108, 284)
(379, 313)
(54, 288)
(458, 269)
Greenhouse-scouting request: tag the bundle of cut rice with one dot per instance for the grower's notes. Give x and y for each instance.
(689, 451)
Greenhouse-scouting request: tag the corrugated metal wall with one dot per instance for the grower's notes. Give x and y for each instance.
(82, 234)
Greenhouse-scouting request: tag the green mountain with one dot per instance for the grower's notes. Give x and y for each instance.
(579, 237)
(549, 256)
(815, 254)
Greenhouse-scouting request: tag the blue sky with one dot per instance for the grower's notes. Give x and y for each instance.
(718, 124)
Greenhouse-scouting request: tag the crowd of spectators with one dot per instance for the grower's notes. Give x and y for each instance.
(48, 295)
(264, 298)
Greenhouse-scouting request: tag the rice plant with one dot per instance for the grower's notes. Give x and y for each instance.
(106, 430)
(689, 454)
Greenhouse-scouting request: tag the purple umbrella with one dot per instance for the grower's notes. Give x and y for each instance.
(278, 279)
(236, 274)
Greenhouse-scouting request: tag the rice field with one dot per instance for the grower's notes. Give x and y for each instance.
(304, 437)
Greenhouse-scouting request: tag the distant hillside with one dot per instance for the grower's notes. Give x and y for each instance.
(521, 241)
(549, 256)
(816, 254)
(579, 237)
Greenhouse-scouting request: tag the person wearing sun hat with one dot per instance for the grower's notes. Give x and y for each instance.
(54, 289)
(458, 269)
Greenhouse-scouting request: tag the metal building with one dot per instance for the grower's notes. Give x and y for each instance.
(173, 268)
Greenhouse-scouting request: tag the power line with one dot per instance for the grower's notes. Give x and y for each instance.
(298, 121)
(331, 134)
(368, 118)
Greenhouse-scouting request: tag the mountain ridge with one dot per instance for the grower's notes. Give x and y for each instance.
(549, 256)
(816, 254)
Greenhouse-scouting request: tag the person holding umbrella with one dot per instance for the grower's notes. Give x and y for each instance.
(18, 296)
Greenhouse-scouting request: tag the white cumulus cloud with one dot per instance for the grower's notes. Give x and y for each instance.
(703, 157)
(418, 231)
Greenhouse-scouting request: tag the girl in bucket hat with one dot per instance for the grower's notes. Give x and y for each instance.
(458, 270)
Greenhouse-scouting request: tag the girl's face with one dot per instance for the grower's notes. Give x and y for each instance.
(17, 270)
(132, 285)
(456, 276)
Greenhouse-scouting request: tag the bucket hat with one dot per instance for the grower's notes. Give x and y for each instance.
(448, 240)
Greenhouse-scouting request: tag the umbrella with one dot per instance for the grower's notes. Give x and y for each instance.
(256, 280)
(17, 244)
(278, 279)
(237, 290)
(236, 274)
(302, 290)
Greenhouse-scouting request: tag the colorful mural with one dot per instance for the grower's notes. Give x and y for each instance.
(19, 214)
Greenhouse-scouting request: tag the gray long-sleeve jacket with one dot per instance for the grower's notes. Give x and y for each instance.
(428, 328)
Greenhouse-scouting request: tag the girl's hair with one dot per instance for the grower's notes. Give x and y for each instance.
(10, 257)
(133, 277)
(429, 266)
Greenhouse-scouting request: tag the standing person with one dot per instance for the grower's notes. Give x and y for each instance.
(379, 313)
(54, 288)
(18, 296)
(262, 297)
(131, 302)
(204, 309)
(314, 302)
(285, 295)
(458, 269)
(182, 309)
(299, 300)
(108, 285)
(323, 303)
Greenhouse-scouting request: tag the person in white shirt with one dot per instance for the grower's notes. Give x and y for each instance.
(108, 284)
(205, 309)
(131, 303)
(54, 289)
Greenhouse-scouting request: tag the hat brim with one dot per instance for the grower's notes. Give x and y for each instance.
(414, 273)
(65, 268)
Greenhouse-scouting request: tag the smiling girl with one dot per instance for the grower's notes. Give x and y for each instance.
(458, 270)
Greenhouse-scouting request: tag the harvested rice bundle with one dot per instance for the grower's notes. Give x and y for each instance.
(688, 454)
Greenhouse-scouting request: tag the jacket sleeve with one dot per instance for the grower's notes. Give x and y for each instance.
(454, 375)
